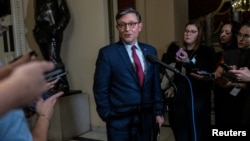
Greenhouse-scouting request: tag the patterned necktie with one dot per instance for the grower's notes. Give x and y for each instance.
(138, 66)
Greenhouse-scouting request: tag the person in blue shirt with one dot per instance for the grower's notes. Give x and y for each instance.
(14, 126)
(23, 82)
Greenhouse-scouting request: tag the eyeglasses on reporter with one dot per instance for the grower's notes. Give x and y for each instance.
(244, 36)
(124, 25)
(190, 31)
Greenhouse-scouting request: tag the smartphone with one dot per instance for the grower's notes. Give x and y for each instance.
(195, 69)
(156, 132)
(179, 52)
(52, 78)
(226, 67)
(45, 96)
(33, 53)
(56, 73)
(204, 73)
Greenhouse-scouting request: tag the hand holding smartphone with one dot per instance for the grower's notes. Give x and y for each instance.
(203, 75)
(208, 74)
(226, 67)
(56, 76)
(56, 73)
(33, 53)
(179, 52)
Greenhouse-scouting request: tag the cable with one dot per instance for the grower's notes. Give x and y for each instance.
(170, 80)
(153, 59)
(192, 105)
(192, 100)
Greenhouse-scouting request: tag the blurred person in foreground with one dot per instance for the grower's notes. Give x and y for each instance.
(23, 82)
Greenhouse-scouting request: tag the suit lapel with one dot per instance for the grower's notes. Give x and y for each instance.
(125, 57)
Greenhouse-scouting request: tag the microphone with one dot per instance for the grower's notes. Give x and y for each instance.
(153, 59)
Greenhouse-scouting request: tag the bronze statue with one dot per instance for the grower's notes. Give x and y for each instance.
(51, 18)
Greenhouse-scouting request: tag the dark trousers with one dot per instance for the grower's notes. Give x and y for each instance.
(136, 127)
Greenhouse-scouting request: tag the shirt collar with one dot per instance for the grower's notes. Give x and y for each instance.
(128, 46)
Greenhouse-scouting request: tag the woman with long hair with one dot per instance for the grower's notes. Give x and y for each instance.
(228, 41)
(191, 110)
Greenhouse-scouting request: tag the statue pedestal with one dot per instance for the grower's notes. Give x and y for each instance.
(70, 118)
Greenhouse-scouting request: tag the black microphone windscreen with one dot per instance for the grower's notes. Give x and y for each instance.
(154, 59)
(151, 58)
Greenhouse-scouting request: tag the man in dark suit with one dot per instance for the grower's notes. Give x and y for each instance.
(126, 84)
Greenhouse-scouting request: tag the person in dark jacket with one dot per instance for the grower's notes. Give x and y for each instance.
(235, 110)
(191, 110)
(228, 41)
(126, 88)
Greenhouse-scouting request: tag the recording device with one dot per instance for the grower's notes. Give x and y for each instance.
(156, 132)
(59, 75)
(56, 73)
(179, 52)
(195, 69)
(153, 59)
(31, 53)
(202, 73)
(208, 74)
(45, 96)
(228, 76)
(226, 67)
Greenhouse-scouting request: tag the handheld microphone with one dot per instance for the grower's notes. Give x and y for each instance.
(153, 59)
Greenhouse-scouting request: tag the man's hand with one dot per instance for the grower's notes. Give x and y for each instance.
(160, 120)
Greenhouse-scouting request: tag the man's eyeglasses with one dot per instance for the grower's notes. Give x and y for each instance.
(190, 31)
(124, 25)
(244, 36)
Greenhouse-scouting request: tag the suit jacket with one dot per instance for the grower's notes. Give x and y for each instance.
(116, 88)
